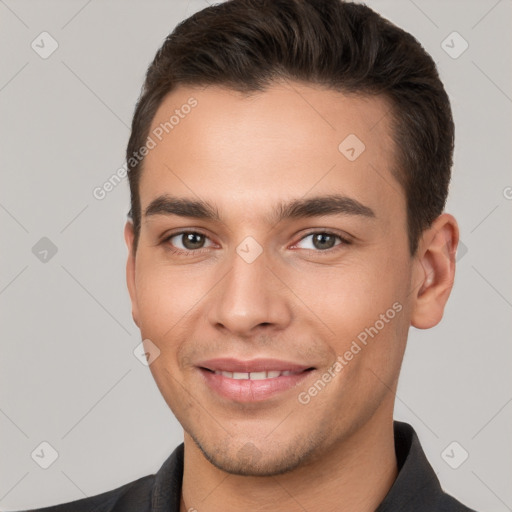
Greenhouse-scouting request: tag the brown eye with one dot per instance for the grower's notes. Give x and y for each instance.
(188, 240)
(324, 240)
(192, 240)
(320, 241)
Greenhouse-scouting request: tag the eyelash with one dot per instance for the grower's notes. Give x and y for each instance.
(343, 241)
(181, 252)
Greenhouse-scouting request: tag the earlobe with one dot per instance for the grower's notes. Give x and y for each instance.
(129, 237)
(434, 271)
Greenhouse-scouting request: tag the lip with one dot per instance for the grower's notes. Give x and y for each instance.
(248, 390)
(229, 364)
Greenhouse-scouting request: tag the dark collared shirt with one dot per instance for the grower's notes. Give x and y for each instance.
(416, 488)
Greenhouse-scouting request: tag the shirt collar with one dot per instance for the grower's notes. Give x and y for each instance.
(416, 487)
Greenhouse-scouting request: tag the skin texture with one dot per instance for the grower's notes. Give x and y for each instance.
(295, 301)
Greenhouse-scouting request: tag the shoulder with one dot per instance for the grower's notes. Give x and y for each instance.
(131, 497)
(416, 486)
(162, 489)
(448, 503)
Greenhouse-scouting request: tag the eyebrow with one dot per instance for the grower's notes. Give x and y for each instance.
(297, 208)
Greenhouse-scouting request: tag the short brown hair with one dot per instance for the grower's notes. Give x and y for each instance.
(246, 45)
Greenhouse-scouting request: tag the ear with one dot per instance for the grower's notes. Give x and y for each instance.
(434, 271)
(129, 237)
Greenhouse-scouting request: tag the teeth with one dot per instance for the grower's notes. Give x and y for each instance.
(255, 375)
(258, 375)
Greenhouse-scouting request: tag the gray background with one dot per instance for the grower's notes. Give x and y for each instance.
(68, 375)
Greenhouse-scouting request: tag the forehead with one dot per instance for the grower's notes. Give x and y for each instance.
(288, 141)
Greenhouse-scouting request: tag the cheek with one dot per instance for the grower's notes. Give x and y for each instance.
(350, 291)
(356, 299)
(164, 296)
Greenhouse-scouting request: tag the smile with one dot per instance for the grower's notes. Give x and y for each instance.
(254, 380)
(273, 374)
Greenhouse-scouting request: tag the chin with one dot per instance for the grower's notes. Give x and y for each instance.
(249, 460)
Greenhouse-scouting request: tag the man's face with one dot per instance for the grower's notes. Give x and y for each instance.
(262, 287)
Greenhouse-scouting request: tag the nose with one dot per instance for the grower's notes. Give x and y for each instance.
(250, 298)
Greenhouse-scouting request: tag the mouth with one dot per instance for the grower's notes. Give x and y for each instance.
(252, 381)
(272, 374)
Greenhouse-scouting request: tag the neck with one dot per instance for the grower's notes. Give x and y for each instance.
(355, 475)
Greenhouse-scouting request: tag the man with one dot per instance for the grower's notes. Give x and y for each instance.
(289, 164)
